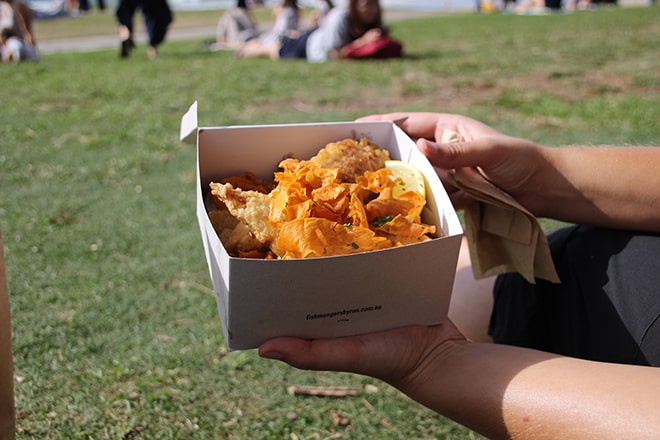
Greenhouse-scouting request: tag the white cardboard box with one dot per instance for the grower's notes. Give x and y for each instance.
(330, 296)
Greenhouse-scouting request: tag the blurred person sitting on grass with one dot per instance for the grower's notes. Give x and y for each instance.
(13, 49)
(286, 24)
(236, 26)
(360, 22)
(569, 360)
(321, 10)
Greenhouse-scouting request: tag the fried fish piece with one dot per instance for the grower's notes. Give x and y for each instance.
(248, 182)
(352, 158)
(235, 236)
(250, 208)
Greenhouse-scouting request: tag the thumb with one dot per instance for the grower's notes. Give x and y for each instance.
(484, 152)
(513, 164)
(385, 355)
(364, 354)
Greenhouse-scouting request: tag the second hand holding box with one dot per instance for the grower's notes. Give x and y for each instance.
(330, 296)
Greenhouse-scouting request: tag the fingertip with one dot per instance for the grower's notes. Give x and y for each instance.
(276, 348)
(382, 117)
(273, 349)
(428, 148)
(270, 354)
(444, 155)
(425, 144)
(369, 118)
(293, 351)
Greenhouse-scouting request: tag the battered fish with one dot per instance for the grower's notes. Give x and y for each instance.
(352, 158)
(249, 207)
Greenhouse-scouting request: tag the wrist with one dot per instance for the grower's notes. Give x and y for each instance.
(550, 189)
(456, 380)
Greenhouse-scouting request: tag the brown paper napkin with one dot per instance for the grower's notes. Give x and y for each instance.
(502, 235)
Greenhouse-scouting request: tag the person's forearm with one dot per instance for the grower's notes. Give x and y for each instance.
(615, 187)
(509, 392)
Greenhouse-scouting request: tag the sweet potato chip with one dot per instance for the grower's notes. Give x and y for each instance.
(319, 237)
(408, 204)
(402, 229)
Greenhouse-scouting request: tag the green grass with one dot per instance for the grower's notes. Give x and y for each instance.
(115, 329)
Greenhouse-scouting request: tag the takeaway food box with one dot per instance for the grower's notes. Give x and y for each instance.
(329, 296)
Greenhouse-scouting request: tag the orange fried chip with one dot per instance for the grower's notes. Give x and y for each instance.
(249, 182)
(292, 197)
(401, 230)
(356, 216)
(408, 204)
(319, 237)
(331, 202)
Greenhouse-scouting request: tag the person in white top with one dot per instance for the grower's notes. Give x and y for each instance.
(286, 25)
(359, 23)
(236, 26)
(321, 10)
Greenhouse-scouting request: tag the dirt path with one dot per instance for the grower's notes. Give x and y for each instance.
(108, 42)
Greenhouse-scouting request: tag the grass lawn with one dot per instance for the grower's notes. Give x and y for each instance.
(115, 329)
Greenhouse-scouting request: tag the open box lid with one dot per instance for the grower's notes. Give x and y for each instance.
(189, 125)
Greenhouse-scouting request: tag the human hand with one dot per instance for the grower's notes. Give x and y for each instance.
(402, 357)
(516, 165)
(498, 390)
(371, 35)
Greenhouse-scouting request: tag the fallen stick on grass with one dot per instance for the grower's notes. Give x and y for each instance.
(296, 390)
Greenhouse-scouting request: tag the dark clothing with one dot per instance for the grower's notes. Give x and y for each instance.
(84, 5)
(125, 12)
(607, 307)
(295, 47)
(157, 17)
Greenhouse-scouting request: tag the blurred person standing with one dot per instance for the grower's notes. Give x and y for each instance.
(84, 5)
(157, 17)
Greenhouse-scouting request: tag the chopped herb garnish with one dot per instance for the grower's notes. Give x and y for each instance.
(381, 220)
(354, 246)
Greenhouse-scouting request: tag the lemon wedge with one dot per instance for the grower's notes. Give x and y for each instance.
(406, 178)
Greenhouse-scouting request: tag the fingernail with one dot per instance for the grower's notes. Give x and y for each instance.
(275, 355)
(425, 144)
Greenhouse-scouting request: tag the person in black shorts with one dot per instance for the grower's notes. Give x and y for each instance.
(157, 16)
(573, 359)
(607, 307)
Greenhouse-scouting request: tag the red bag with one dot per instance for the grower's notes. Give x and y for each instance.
(382, 48)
